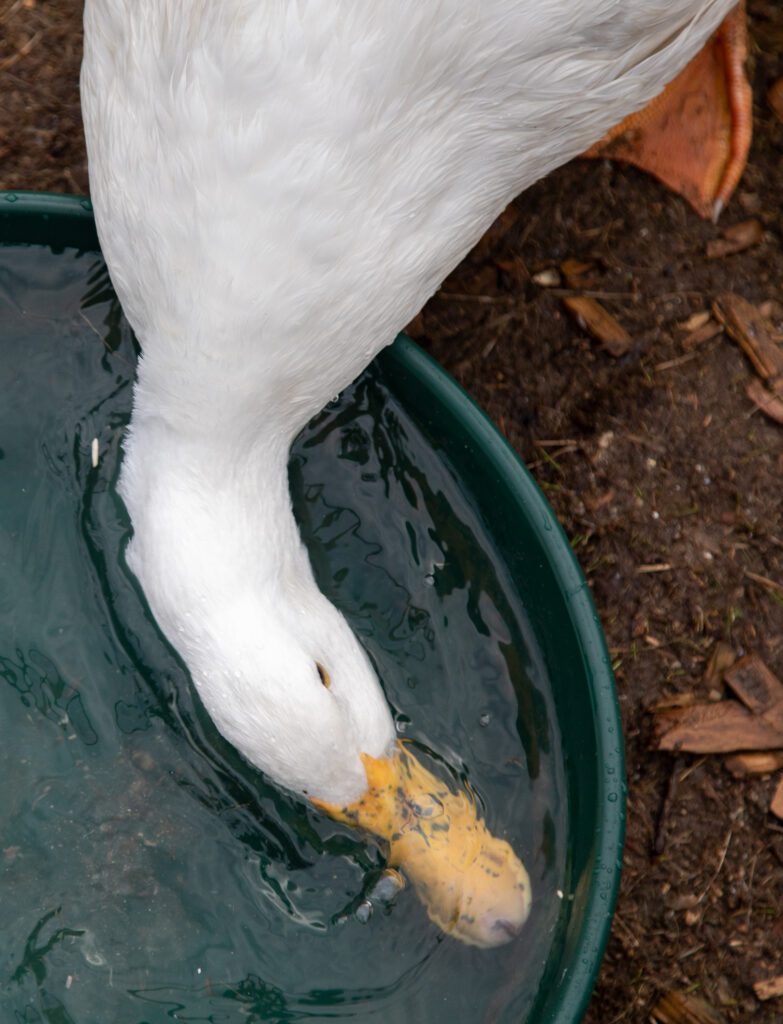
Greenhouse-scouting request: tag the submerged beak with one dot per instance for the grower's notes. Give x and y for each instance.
(473, 885)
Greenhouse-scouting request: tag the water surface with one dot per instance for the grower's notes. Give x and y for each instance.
(148, 874)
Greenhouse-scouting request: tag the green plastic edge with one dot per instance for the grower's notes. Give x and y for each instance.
(568, 1003)
(67, 221)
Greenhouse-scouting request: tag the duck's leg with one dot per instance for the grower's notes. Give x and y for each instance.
(695, 136)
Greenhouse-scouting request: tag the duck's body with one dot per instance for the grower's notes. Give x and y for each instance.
(278, 187)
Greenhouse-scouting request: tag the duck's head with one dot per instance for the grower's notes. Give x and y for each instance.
(286, 680)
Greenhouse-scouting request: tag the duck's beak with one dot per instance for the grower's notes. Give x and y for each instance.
(473, 885)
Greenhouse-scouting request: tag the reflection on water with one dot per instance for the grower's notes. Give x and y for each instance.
(147, 872)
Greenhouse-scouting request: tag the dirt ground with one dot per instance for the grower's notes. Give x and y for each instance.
(665, 476)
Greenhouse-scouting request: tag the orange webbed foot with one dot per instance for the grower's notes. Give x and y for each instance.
(695, 136)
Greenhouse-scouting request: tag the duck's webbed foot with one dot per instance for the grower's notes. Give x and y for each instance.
(695, 136)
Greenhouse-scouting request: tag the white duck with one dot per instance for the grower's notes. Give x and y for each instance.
(278, 188)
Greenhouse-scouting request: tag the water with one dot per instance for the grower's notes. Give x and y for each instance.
(147, 873)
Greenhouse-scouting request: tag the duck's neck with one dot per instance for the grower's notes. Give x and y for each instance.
(212, 504)
(219, 556)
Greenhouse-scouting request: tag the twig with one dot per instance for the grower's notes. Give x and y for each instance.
(766, 582)
(23, 51)
(670, 364)
(719, 867)
(659, 843)
(467, 297)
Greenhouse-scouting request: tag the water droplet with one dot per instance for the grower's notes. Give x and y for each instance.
(429, 580)
(363, 912)
(11, 198)
(485, 719)
(387, 888)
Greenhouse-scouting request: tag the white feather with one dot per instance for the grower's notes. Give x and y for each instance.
(279, 186)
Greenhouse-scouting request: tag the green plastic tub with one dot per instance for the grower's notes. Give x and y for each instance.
(540, 562)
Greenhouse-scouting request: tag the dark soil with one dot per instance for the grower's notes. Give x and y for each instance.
(656, 458)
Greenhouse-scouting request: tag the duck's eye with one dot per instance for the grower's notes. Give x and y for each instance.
(323, 674)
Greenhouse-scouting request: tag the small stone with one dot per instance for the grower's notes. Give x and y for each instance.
(548, 278)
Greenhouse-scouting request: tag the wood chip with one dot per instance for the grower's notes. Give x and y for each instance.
(777, 801)
(764, 581)
(763, 763)
(721, 658)
(718, 728)
(700, 335)
(754, 334)
(736, 238)
(684, 1008)
(578, 273)
(757, 686)
(675, 700)
(771, 405)
(695, 321)
(775, 98)
(772, 310)
(597, 321)
(770, 988)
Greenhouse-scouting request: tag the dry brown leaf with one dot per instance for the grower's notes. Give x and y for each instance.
(736, 238)
(597, 321)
